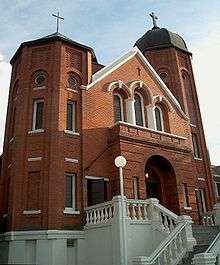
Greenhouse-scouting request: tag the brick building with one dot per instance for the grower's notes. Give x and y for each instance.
(69, 117)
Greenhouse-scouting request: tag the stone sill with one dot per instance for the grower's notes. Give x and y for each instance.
(188, 208)
(198, 158)
(36, 131)
(26, 212)
(71, 211)
(72, 90)
(71, 132)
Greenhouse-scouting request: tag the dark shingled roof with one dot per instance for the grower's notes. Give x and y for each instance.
(158, 38)
(53, 37)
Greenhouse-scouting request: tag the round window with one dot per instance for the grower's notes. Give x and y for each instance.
(40, 80)
(72, 82)
(163, 75)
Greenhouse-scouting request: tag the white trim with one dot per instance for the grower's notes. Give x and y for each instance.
(142, 108)
(202, 179)
(102, 73)
(72, 90)
(70, 211)
(11, 140)
(36, 101)
(192, 125)
(161, 117)
(71, 132)
(197, 158)
(31, 212)
(96, 178)
(39, 87)
(71, 160)
(187, 208)
(36, 131)
(32, 159)
(121, 105)
(9, 165)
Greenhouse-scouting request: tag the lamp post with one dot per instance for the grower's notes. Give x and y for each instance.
(121, 162)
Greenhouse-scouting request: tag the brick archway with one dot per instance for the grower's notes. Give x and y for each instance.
(161, 182)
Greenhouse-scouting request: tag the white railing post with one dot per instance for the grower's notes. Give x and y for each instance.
(153, 213)
(119, 231)
(188, 235)
(217, 213)
(204, 259)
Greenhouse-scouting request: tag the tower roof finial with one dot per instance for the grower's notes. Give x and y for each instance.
(154, 18)
(57, 16)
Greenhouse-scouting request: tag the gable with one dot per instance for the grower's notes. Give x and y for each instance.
(118, 64)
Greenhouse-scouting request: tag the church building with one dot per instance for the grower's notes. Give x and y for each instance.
(69, 117)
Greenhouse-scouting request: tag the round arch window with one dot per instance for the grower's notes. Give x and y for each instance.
(40, 80)
(72, 82)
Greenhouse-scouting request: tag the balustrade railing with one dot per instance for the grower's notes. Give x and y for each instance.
(137, 209)
(208, 218)
(99, 213)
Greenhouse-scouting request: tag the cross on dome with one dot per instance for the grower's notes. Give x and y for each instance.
(154, 18)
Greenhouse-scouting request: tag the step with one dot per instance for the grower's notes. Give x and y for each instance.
(204, 235)
(197, 249)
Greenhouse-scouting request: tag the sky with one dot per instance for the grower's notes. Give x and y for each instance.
(111, 27)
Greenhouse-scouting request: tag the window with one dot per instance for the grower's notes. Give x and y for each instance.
(97, 191)
(40, 80)
(72, 82)
(135, 188)
(70, 191)
(165, 78)
(13, 123)
(217, 186)
(185, 195)
(195, 146)
(139, 109)
(158, 118)
(118, 108)
(71, 116)
(38, 115)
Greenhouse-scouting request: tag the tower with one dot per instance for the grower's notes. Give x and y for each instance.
(168, 54)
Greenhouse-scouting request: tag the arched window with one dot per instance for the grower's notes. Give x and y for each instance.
(139, 109)
(40, 80)
(118, 108)
(158, 119)
(164, 76)
(73, 81)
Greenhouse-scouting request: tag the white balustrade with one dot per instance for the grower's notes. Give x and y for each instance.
(100, 213)
(137, 209)
(208, 218)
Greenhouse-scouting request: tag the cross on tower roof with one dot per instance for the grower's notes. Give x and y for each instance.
(154, 17)
(58, 18)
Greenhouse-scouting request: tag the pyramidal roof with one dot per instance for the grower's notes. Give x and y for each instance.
(53, 37)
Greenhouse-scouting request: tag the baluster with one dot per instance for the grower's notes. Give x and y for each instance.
(166, 225)
(128, 210)
(134, 212)
(94, 217)
(87, 218)
(169, 254)
(145, 212)
(180, 242)
(98, 216)
(164, 255)
(175, 249)
(110, 212)
(139, 212)
(106, 214)
(102, 215)
(171, 225)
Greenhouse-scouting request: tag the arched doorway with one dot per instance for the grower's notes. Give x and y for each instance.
(161, 182)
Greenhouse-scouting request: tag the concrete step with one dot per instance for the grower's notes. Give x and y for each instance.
(197, 249)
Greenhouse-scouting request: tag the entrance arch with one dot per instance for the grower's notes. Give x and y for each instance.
(161, 182)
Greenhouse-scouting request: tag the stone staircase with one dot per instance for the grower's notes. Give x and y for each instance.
(204, 236)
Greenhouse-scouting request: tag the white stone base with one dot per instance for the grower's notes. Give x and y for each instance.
(51, 247)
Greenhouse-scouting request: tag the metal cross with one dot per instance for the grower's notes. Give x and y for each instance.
(154, 17)
(58, 18)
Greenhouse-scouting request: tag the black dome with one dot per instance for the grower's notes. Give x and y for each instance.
(157, 38)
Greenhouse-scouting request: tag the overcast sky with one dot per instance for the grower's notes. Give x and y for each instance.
(111, 27)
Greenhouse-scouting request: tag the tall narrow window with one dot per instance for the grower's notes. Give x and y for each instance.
(70, 191)
(195, 146)
(185, 195)
(158, 119)
(71, 116)
(118, 108)
(138, 106)
(135, 188)
(38, 115)
(13, 124)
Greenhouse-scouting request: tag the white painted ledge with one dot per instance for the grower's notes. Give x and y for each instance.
(188, 208)
(70, 211)
(36, 131)
(71, 160)
(201, 179)
(39, 87)
(71, 132)
(198, 158)
(31, 212)
(72, 90)
(33, 159)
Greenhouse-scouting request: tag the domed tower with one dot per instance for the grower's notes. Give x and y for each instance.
(168, 54)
